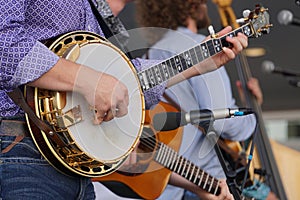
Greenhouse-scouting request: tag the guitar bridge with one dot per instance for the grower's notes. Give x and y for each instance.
(69, 118)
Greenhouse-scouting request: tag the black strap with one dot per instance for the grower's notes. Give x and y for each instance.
(107, 31)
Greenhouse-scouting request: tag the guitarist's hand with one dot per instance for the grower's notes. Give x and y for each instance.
(254, 87)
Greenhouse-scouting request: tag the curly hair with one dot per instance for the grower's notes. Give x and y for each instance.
(166, 13)
(169, 14)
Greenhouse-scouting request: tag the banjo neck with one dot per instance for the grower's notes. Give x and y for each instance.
(169, 68)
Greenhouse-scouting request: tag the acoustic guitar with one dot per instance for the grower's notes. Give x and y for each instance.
(76, 146)
(149, 176)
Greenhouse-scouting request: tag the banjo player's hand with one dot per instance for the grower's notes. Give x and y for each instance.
(238, 42)
(110, 98)
(106, 95)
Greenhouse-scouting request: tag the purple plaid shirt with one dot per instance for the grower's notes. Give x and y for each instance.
(23, 58)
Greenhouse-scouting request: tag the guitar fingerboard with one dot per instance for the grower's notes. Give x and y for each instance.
(167, 69)
(170, 159)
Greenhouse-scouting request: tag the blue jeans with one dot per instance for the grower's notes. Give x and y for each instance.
(25, 174)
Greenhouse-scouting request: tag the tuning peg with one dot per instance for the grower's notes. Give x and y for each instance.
(264, 9)
(266, 29)
(212, 31)
(241, 20)
(246, 13)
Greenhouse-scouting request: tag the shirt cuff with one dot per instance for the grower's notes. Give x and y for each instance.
(37, 62)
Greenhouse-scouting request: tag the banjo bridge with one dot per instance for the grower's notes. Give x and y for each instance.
(70, 117)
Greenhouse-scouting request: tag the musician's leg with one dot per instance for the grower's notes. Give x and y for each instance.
(24, 174)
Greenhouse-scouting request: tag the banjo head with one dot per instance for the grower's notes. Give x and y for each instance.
(114, 139)
(91, 150)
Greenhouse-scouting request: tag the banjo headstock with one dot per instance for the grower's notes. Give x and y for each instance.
(259, 19)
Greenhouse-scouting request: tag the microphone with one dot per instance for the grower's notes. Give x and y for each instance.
(285, 17)
(295, 83)
(269, 67)
(166, 121)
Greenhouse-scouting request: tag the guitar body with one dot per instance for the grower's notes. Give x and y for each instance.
(152, 182)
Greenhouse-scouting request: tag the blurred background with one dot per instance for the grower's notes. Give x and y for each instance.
(281, 107)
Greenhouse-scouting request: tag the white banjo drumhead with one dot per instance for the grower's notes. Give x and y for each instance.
(114, 139)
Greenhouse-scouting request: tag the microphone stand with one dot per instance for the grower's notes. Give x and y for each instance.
(230, 174)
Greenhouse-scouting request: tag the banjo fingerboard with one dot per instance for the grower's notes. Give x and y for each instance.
(167, 69)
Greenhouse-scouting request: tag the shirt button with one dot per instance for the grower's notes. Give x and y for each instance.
(89, 27)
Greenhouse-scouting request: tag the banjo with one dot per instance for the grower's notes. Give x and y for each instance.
(75, 146)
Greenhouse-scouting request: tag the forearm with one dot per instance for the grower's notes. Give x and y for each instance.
(67, 76)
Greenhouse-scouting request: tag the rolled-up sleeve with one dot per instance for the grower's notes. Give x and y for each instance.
(153, 95)
(23, 58)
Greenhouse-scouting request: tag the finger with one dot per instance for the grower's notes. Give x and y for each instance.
(230, 54)
(109, 116)
(225, 30)
(121, 110)
(237, 46)
(98, 117)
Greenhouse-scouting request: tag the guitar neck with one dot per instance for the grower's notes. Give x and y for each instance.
(170, 159)
(167, 69)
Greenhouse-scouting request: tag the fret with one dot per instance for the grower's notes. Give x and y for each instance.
(211, 184)
(179, 167)
(164, 153)
(247, 30)
(157, 75)
(183, 173)
(152, 77)
(173, 66)
(154, 74)
(205, 183)
(165, 70)
(192, 173)
(173, 158)
(204, 50)
(170, 68)
(210, 48)
(159, 154)
(199, 53)
(178, 63)
(183, 62)
(177, 162)
(188, 59)
(188, 169)
(196, 176)
(144, 80)
(162, 72)
(202, 174)
(217, 187)
(194, 58)
(217, 45)
(169, 152)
